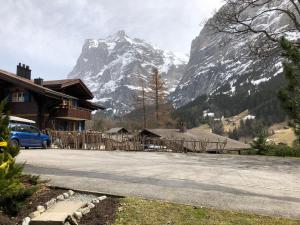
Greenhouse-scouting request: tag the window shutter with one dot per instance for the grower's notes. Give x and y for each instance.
(26, 97)
(8, 95)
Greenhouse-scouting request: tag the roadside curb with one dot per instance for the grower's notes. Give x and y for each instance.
(83, 191)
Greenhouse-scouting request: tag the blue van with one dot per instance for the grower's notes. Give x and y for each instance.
(27, 136)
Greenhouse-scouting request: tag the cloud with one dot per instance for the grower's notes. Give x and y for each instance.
(48, 35)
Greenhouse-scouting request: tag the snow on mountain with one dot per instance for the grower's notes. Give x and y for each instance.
(220, 63)
(111, 68)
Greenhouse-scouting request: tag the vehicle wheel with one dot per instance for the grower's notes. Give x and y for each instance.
(45, 145)
(14, 143)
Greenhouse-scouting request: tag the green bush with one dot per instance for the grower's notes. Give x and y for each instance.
(260, 144)
(12, 191)
(283, 150)
(261, 147)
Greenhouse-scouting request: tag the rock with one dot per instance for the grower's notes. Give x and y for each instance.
(71, 193)
(40, 208)
(90, 205)
(34, 214)
(72, 220)
(84, 211)
(212, 69)
(95, 201)
(66, 195)
(101, 198)
(59, 213)
(50, 203)
(26, 221)
(77, 215)
(60, 198)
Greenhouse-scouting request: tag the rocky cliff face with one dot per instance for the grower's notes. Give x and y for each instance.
(217, 65)
(112, 67)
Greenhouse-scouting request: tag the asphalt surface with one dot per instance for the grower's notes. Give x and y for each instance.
(262, 185)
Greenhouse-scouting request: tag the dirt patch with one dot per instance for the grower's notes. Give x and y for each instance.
(40, 197)
(103, 213)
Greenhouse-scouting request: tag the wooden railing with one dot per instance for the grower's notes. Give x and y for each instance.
(73, 112)
(76, 140)
(97, 141)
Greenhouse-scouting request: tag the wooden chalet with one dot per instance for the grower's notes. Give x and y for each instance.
(117, 131)
(56, 104)
(194, 135)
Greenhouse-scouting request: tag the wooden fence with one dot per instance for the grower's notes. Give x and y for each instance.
(98, 141)
(76, 140)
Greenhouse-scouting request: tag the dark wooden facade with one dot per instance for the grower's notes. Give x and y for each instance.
(58, 105)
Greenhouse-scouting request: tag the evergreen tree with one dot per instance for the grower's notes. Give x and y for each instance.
(217, 127)
(12, 191)
(260, 144)
(234, 134)
(290, 95)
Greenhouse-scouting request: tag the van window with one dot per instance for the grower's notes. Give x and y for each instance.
(34, 130)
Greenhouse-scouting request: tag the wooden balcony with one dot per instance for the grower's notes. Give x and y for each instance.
(73, 113)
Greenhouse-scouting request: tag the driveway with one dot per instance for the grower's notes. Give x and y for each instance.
(263, 185)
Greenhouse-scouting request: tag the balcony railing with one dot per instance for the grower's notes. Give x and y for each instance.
(73, 113)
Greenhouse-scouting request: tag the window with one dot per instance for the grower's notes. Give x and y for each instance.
(18, 97)
(34, 130)
(19, 128)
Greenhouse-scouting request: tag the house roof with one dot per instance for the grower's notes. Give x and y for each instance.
(44, 90)
(196, 135)
(91, 105)
(70, 83)
(29, 84)
(117, 130)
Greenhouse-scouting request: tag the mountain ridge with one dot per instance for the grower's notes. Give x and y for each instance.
(111, 67)
(222, 63)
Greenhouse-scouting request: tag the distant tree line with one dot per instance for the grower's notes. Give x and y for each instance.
(249, 128)
(262, 102)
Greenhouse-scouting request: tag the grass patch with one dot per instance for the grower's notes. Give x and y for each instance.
(135, 211)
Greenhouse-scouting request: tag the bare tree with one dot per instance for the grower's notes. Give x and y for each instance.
(157, 92)
(141, 97)
(242, 17)
(144, 104)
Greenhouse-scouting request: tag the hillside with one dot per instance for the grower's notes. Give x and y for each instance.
(222, 64)
(263, 103)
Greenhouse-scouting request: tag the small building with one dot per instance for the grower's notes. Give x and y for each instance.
(208, 114)
(249, 117)
(117, 131)
(56, 104)
(194, 135)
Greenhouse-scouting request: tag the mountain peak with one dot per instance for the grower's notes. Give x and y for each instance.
(110, 68)
(119, 36)
(121, 33)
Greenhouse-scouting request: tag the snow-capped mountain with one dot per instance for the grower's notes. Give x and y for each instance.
(217, 65)
(112, 68)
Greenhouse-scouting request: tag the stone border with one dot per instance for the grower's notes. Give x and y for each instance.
(78, 214)
(43, 208)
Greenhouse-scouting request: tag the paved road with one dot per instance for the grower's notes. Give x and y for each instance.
(263, 185)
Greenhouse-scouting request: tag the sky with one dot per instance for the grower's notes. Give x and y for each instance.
(48, 35)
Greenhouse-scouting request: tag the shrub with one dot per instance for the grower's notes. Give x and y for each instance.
(12, 191)
(261, 147)
(260, 144)
(284, 150)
